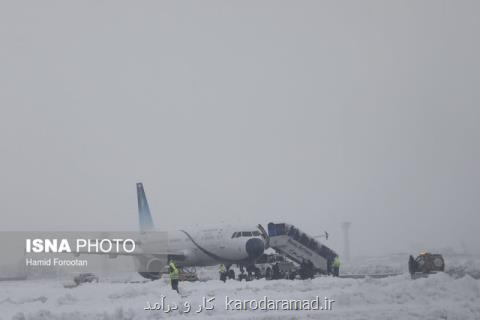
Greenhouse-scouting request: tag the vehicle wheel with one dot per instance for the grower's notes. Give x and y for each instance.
(438, 263)
(231, 274)
(268, 274)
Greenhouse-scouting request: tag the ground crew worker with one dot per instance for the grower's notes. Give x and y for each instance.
(276, 271)
(411, 266)
(174, 275)
(311, 269)
(336, 266)
(223, 273)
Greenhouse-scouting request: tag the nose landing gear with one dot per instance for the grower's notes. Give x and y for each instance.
(227, 274)
(252, 273)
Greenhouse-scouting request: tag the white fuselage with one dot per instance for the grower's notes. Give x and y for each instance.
(210, 246)
(202, 247)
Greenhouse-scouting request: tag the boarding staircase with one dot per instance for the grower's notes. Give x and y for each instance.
(299, 246)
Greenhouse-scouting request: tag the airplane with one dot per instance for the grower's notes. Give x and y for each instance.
(195, 247)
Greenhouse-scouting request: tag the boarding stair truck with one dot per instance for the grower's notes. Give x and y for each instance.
(300, 247)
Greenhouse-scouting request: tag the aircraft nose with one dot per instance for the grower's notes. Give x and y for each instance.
(255, 248)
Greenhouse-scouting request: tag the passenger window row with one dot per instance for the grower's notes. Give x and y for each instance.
(246, 234)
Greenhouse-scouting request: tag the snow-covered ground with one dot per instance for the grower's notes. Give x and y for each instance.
(440, 296)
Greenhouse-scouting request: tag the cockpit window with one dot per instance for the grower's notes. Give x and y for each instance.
(234, 234)
(246, 234)
(256, 233)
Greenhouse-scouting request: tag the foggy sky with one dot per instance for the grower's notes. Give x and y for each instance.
(311, 112)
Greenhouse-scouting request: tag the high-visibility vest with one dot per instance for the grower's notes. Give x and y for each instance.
(174, 272)
(222, 268)
(336, 262)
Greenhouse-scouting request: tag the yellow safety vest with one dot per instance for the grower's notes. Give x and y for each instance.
(174, 272)
(336, 262)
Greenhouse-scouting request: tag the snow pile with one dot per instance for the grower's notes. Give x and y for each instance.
(451, 295)
(457, 265)
(439, 296)
(460, 265)
(376, 265)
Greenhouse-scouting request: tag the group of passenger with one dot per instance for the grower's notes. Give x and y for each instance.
(307, 270)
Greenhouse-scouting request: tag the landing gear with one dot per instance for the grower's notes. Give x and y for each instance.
(258, 274)
(252, 273)
(242, 274)
(251, 269)
(229, 273)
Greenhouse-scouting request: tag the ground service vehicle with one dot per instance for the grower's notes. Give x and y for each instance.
(85, 278)
(426, 263)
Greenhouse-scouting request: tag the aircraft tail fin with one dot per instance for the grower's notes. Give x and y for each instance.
(144, 215)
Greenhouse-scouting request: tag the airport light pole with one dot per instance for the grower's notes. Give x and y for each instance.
(346, 239)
